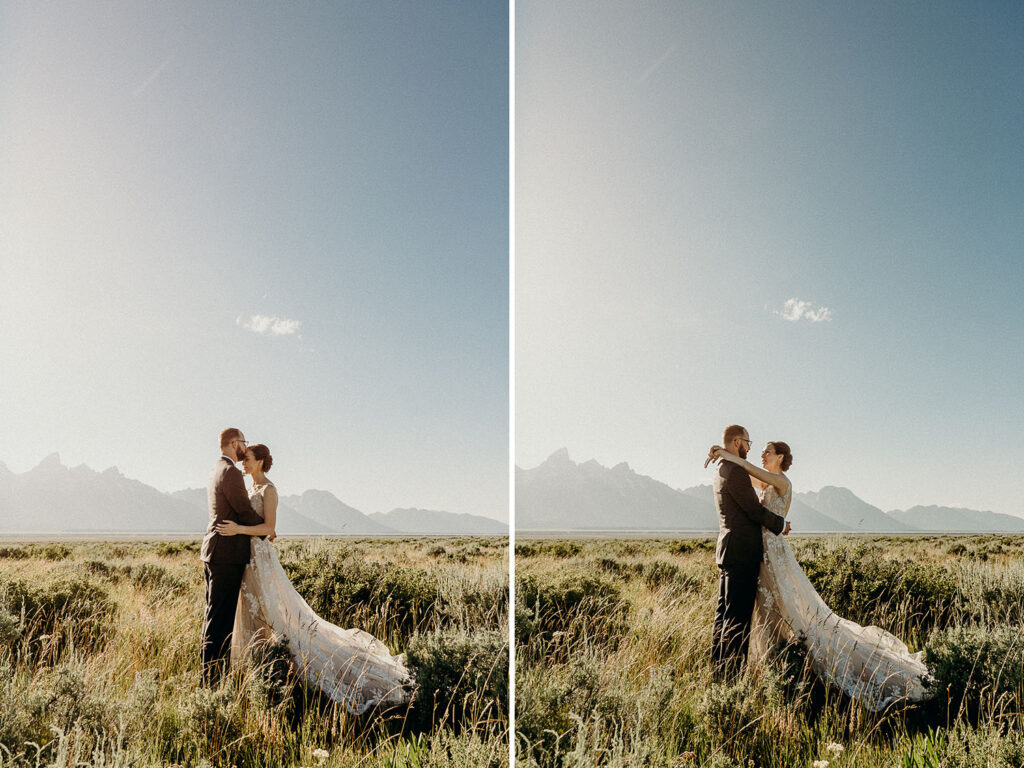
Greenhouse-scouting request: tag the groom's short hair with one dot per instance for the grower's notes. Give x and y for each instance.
(731, 433)
(229, 434)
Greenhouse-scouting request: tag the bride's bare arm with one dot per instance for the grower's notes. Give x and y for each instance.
(780, 482)
(270, 511)
(266, 528)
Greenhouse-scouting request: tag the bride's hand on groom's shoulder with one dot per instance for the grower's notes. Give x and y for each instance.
(712, 455)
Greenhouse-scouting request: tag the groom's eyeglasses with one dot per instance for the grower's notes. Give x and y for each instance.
(745, 440)
(243, 442)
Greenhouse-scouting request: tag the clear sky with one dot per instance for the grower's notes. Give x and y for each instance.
(803, 217)
(290, 218)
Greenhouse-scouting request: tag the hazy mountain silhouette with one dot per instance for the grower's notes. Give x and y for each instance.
(936, 518)
(288, 519)
(560, 494)
(54, 499)
(433, 522)
(843, 506)
(563, 495)
(803, 517)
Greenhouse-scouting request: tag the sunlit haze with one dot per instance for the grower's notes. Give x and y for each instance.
(292, 219)
(801, 217)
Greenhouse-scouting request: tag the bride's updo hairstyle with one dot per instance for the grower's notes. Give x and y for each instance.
(779, 447)
(260, 452)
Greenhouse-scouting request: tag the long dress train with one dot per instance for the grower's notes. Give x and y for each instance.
(350, 666)
(867, 663)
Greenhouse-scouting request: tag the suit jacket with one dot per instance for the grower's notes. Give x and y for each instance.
(740, 518)
(228, 500)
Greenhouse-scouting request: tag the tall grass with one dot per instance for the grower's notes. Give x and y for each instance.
(99, 658)
(613, 657)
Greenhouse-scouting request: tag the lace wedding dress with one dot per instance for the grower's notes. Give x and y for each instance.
(867, 663)
(351, 666)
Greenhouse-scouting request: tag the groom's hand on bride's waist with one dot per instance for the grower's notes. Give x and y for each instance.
(786, 530)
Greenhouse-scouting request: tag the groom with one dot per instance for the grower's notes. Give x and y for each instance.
(738, 553)
(224, 557)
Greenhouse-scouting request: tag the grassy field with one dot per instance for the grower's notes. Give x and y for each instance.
(99, 661)
(613, 649)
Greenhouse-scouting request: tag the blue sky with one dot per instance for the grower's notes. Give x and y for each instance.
(802, 217)
(339, 172)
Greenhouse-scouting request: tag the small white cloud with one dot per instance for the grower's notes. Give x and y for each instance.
(795, 310)
(270, 325)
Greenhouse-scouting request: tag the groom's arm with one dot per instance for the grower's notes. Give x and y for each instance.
(742, 492)
(234, 490)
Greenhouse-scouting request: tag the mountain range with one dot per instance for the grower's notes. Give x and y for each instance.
(54, 499)
(562, 495)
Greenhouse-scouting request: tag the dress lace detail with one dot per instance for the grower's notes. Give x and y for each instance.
(867, 663)
(350, 666)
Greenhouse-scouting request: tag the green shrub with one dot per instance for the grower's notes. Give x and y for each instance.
(71, 608)
(155, 577)
(212, 718)
(989, 746)
(975, 667)
(172, 548)
(14, 553)
(560, 549)
(272, 677)
(658, 573)
(571, 604)
(544, 721)
(103, 569)
(346, 592)
(10, 628)
(50, 551)
(476, 605)
(457, 673)
(862, 585)
(619, 568)
(62, 697)
(686, 546)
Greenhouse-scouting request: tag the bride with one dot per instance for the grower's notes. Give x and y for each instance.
(350, 666)
(867, 663)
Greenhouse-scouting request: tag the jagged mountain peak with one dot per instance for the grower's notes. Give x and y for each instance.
(51, 462)
(559, 458)
(588, 496)
(568, 496)
(437, 522)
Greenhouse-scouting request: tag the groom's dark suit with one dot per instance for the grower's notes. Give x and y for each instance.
(224, 559)
(738, 554)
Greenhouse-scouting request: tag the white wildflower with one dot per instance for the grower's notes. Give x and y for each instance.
(835, 749)
(820, 764)
(321, 755)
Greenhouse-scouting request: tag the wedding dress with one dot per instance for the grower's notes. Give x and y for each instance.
(350, 666)
(867, 663)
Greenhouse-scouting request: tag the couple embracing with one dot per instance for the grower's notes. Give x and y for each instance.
(250, 600)
(766, 600)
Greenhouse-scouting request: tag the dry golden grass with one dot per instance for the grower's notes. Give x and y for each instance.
(613, 650)
(99, 659)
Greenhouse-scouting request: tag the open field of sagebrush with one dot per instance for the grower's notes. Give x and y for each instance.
(99, 660)
(613, 650)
